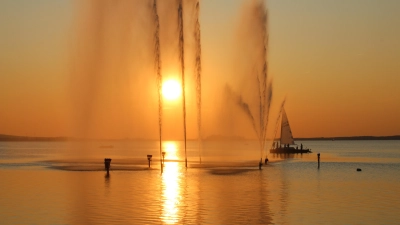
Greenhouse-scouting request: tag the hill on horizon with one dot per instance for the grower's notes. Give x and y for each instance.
(6, 137)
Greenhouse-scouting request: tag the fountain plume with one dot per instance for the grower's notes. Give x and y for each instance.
(238, 100)
(277, 124)
(197, 36)
(255, 102)
(265, 88)
(157, 62)
(109, 59)
(182, 61)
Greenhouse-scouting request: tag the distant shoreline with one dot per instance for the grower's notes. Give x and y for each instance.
(351, 138)
(4, 138)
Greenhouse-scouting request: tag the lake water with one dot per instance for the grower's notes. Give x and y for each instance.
(65, 183)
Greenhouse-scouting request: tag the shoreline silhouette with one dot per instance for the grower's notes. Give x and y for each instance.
(6, 137)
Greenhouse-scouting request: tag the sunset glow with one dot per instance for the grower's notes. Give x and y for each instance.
(91, 72)
(199, 112)
(171, 90)
(171, 149)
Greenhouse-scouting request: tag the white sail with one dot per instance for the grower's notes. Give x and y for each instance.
(286, 132)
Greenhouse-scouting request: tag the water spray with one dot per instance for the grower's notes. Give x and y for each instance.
(182, 60)
(157, 61)
(276, 125)
(197, 36)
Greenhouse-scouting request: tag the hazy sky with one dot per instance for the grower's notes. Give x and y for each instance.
(336, 62)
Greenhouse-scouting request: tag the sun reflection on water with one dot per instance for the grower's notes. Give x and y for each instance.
(171, 150)
(171, 186)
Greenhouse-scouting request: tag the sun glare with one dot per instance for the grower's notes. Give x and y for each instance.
(171, 150)
(171, 184)
(171, 89)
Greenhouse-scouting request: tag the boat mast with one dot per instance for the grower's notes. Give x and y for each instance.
(280, 139)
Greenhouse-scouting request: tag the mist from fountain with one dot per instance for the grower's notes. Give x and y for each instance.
(254, 102)
(276, 125)
(157, 63)
(197, 36)
(182, 61)
(117, 48)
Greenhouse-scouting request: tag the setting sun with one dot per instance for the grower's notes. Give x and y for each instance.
(171, 89)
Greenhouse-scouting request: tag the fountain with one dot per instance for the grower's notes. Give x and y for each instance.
(197, 36)
(182, 61)
(256, 102)
(157, 62)
(118, 50)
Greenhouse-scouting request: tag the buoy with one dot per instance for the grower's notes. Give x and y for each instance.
(358, 169)
(107, 162)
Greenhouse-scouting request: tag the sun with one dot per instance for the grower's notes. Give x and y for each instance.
(171, 89)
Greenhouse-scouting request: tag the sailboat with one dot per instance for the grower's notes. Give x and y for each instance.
(286, 140)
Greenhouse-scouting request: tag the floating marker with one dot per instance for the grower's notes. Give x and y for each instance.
(107, 163)
(149, 159)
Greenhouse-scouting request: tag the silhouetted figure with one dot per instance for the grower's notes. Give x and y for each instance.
(107, 162)
(301, 146)
(318, 159)
(266, 161)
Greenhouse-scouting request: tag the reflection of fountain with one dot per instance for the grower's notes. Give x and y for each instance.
(264, 193)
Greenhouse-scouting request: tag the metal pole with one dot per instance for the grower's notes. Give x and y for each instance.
(107, 162)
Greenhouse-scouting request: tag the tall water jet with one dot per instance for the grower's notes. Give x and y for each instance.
(265, 89)
(238, 100)
(111, 57)
(182, 61)
(276, 126)
(259, 19)
(197, 36)
(255, 96)
(157, 62)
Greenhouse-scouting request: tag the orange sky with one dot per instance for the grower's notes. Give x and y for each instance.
(335, 62)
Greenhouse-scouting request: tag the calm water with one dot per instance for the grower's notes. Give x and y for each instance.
(65, 183)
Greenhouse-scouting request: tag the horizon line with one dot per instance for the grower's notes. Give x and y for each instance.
(7, 137)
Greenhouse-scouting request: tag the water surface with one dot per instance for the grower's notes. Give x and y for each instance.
(65, 183)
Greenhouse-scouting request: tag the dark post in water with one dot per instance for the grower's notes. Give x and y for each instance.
(107, 162)
(163, 158)
(318, 159)
(149, 159)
